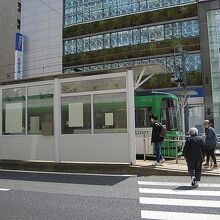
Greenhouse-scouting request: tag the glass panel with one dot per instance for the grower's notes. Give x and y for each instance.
(114, 39)
(85, 11)
(79, 45)
(169, 113)
(40, 110)
(177, 30)
(94, 85)
(193, 62)
(142, 116)
(13, 111)
(168, 31)
(110, 114)
(190, 28)
(154, 4)
(156, 33)
(76, 115)
(144, 35)
(107, 41)
(136, 36)
(124, 38)
(86, 44)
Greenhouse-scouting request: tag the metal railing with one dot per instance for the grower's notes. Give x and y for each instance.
(148, 148)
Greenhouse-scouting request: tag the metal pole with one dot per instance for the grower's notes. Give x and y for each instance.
(144, 146)
(56, 116)
(131, 116)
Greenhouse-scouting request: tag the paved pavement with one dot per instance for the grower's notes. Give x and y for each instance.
(178, 168)
(141, 168)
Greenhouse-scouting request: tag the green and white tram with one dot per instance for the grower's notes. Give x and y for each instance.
(165, 105)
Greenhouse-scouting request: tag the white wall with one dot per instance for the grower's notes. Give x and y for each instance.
(95, 148)
(31, 147)
(42, 30)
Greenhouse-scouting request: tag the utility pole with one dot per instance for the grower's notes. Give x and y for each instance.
(184, 98)
(180, 80)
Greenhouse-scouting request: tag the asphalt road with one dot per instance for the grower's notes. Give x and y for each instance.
(67, 196)
(32, 195)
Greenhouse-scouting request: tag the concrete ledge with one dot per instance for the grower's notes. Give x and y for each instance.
(94, 168)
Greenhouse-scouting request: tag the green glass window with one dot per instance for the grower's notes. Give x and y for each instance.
(76, 115)
(13, 111)
(110, 113)
(40, 110)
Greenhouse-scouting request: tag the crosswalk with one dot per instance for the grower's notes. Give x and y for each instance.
(179, 201)
(4, 189)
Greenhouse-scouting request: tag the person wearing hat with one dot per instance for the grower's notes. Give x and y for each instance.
(156, 139)
(210, 143)
(194, 153)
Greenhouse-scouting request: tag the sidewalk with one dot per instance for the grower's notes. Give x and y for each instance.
(171, 166)
(141, 168)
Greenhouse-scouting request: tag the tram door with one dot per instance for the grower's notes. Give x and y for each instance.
(143, 130)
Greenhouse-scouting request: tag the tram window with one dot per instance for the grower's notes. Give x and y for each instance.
(142, 117)
(169, 113)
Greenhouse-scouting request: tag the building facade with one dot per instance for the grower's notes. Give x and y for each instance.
(111, 34)
(71, 36)
(42, 32)
(209, 13)
(10, 23)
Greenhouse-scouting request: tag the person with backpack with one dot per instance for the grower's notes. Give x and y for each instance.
(157, 138)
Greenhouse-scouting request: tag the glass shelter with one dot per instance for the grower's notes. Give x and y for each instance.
(65, 118)
(81, 119)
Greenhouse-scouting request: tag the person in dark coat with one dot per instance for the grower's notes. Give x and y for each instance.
(156, 139)
(194, 153)
(210, 143)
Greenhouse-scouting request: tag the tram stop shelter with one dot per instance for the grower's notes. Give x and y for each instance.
(79, 117)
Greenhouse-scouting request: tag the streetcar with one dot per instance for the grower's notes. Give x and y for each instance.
(165, 105)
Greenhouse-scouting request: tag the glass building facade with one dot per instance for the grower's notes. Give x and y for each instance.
(81, 11)
(213, 18)
(193, 63)
(132, 36)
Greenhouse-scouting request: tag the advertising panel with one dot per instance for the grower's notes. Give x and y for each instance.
(18, 56)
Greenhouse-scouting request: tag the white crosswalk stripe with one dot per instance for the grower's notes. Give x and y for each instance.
(177, 215)
(170, 194)
(151, 183)
(179, 192)
(3, 189)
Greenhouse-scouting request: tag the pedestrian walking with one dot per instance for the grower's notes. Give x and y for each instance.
(210, 143)
(194, 153)
(157, 138)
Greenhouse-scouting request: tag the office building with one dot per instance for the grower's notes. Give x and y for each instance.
(71, 36)
(10, 24)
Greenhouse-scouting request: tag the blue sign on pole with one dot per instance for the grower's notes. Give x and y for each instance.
(18, 43)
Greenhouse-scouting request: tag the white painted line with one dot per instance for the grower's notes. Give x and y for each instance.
(180, 202)
(149, 183)
(179, 192)
(3, 189)
(177, 215)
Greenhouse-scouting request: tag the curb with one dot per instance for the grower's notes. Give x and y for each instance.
(94, 168)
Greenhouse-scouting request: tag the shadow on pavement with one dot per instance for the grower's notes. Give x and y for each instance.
(186, 187)
(63, 178)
